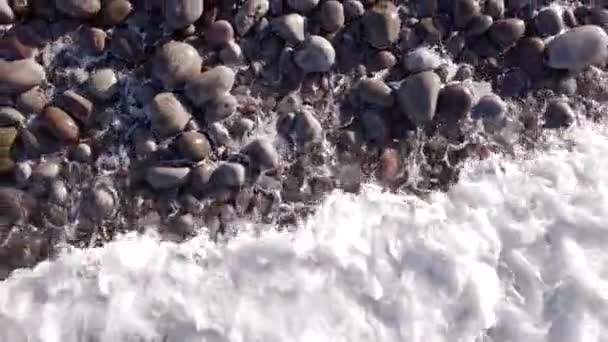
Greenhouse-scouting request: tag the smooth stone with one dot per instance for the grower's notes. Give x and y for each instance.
(145, 145)
(381, 60)
(375, 92)
(569, 18)
(77, 106)
(242, 127)
(11, 117)
(479, 24)
(303, 6)
(232, 54)
(200, 176)
(19, 76)
(13, 48)
(167, 114)
(96, 39)
(495, 8)
(421, 59)
(194, 145)
(176, 63)
(548, 22)
(464, 72)
(127, 45)
(262, 153)
(219, 33)
(491, 109)
(103, 84)
(165, 177)
(78, 8)
(181, 13)
(7, 138)
(454, 102)
(249, 14)
(33, 100)
(529, 53)
(353, 9)
(375, 130)
(228, 174)
(307, 128)
(115, 12)
(381, 25)
(417, 97)
(210, 84)
(99, 203)
(316, 55)
(220, 108)
(7, 16)
(578, 48)
(82, 152)
(61, 125)
(558, 114)
(463, 11)
(46, 170)
(427, 30)
(290, 27)
(507, 32)
(332, 15)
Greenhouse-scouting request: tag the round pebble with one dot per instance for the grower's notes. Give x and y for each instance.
(417, 97)
(194, 146)
(558, 114)
(316, 55)
(228, 175)
(232, 54)
(181, 13)
(507, 32)
(220, 108)
(375, 130)
(77, 106)
(175, 63)
(116, 11)
(249, 14)
(307, 128)
(381, 25)
(11, 117)
(61, 125)
(262, 153)
(548, 22)
(82, 152)
(19, 76)
(165, 177)
(454, 102)
(33, 100)
(98, 203)
(332, 15)
(353, 9)
(210, 84)
(167, 114)
(463, 11)
(7, 16)
(578, 48)
(219, 33)
(290, 27)
(479, 24)
(491, 109)
(375, 92)
(103, 84)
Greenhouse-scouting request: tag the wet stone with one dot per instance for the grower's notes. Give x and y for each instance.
(528, 55)
(103, 84)
(382, 25)
(290, 27)
(303, 6)
(228, 175)
(232, 54)
(17, 204)
(194, 146)
(578, 48)
(200, 175)
(126, 45)
(116, 11)
(374, 126)
(61, 125)
(479, 24)
(381, 60)
(558, 114)
(58, 192)
(495, 8)
(513, 83)
(165, 177)
(219, 33)
(46, 170)
(454, 103)
(375, 92)
(7, 15)
(210, 84)
(176, 63)
(417, 97)
(507, 32)
(77, 106)
(249, 14)
(463, 11)
(332, 15)
(220, 108)
(78, 8)
(167, 114)
(316, 55)
(22, 172)
(428, 31)
(421, 59)
(11, 117)
(491, 109)
(548, 22)
(353, 9)
(181, 13)
(262, 153)
(96, 39)
(307, 128)
(98, 203)
(598, 16)
(19, 76)
(82, 152)
(33, 100)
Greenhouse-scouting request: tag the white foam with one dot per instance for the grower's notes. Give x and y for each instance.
(514, 252)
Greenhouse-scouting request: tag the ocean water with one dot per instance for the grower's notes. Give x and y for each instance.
(517, 251)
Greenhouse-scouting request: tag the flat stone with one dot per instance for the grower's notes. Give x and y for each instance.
(376, 92)
(167, 114)
(381, 25)
(181, 13)
(578, 48)
(316, 55)
(417, 97)
(210, 84)
(176, 63)
(19, 76)
(77, 106)
(165, 178)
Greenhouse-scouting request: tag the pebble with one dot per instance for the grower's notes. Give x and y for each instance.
(262, 153)
(82, 152)
(249, 14)
(176, 63)
(96, 39)
(421, 59)
(558, 114)
(479, 24)
(382, 25)
(145, 145)
(495, 8)
(11, 117)
(58, 192)
(115, 12)
(548, 22)
(577, 48)
(303, 6)
(290, 27)
(242, 127)
(375, 130)
(228, 174)
(219, 33)
(529, 56)
(232, 54)
(22, 172)
(382, 60)
(507, 32)
(33, 100)
(307, 128)
(99, 203)
(61, 125)
(79, 8)
(77, 106)
(375, 92)
(491, 109)
(7, 16)
(332, 15)
(181, 13)
(19, 76)
(316, 55)
(454, 102)
(194, 146)
(16, 204)
(183, 225)
(464, 72)
(167, 114)
(389, 165)
(417, 97)
(463, 11)
(353, 9)
(103, 84)
(220, 108)
(127, 45)
(210, 84)
(46, 170)
(200, 175)
(165, 177)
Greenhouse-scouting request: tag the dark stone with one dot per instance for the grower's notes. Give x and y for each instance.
(558, 114)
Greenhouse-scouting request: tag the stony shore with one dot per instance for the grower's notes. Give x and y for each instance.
(120, 115)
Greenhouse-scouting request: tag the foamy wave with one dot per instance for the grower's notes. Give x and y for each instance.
(514, 252)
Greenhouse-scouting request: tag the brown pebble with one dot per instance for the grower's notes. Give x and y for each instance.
(194, 146)
(388, 166)
(167, 114)
(96, 39)
(116, 11)
(382, 24)
(77, 106)
(19, 76)
(61, 125)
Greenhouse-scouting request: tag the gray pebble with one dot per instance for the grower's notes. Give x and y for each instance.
(115, 12)
(289, 103)
(82, 152)
(210, 84)
(220, 33)
(7, 16)
(228, 175)
(249, 14)
(194, 146)
(316, 55)
(578, 48)
(307, 128)
(232, 54)
(103, 84)
(303, 6)
(558, 114)
(220, 108)
(353, 9)
(11, 117)
(175, 63)
(381, 25)
(507, 32)
(464, 72)
(376, 92)
(79, 8)
(548, 22)
(183, 225)
(491, 109)
(290, 27)
(167, 114)
(479, 24)
(165, 177)
(332, 15)
(262, 153)
(181, 13)
(463, 11)
(20, 75)
(23, 172)
(417, 97)
(98, 203)
(200, 175)
(421, 59)
(242, 127)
